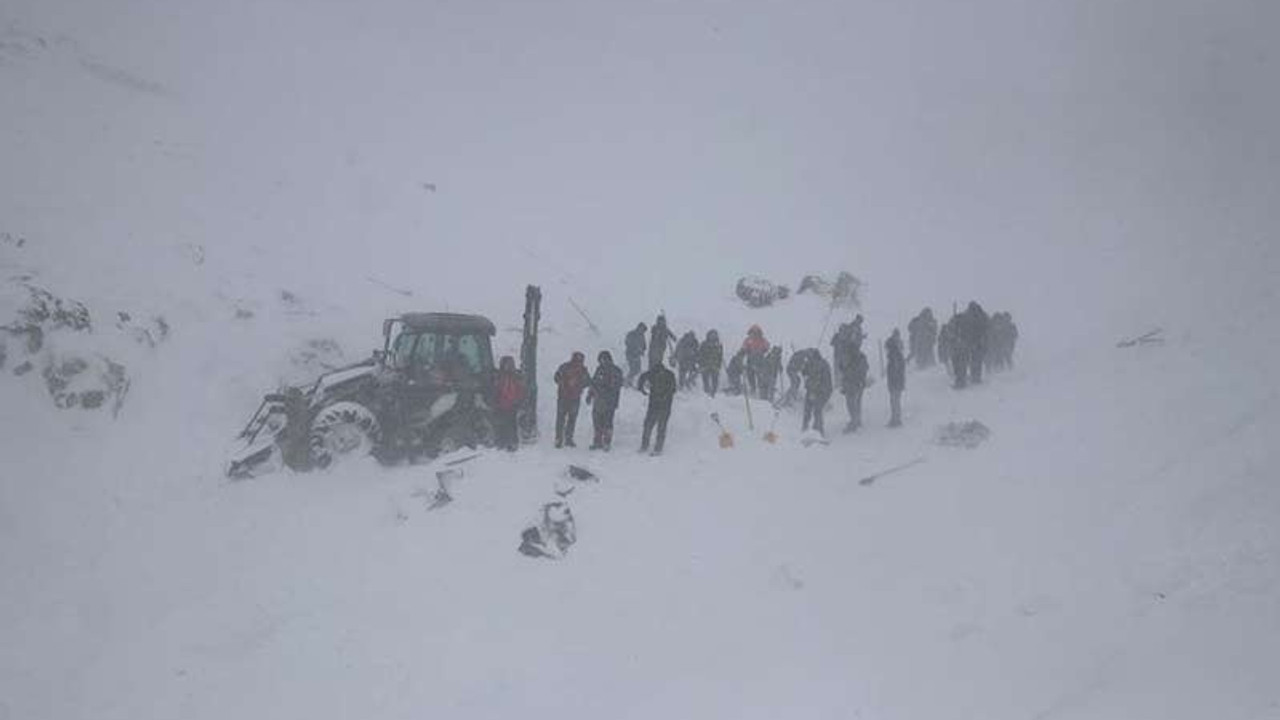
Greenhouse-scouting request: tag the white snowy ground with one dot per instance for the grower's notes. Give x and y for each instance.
(1111, 552)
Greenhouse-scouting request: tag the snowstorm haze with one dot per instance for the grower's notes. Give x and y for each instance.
(1029, 149)
(262, 174)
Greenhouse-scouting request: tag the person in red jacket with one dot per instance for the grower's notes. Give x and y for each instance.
(508, 396)
(755, 347)
(572, 379)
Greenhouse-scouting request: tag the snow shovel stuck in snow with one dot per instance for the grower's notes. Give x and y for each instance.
(771, 437)
(726, 440)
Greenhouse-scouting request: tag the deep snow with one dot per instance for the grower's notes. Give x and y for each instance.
(1112, 551)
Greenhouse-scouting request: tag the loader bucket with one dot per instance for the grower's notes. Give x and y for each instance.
(257, 450)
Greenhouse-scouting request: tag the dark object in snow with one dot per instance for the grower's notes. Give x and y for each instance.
(444, 481)
(1152, 337)
(553, 535)
(758, 292)
(844, 291)
(870, 479)
(578, 472)
(969, 434)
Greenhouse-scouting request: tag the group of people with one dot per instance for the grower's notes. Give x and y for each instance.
(966, 344)
(969, 343)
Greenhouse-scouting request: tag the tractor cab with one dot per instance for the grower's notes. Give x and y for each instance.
(439, 349)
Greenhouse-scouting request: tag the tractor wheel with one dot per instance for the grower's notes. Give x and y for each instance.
(341, 431)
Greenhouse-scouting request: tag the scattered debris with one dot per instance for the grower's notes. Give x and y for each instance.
(577, 472)
(55, 335)
(870, 479)
(1151, 337)
(150, 333)
(969, 434)
(844, 291)
(758, 292)
(554, 534)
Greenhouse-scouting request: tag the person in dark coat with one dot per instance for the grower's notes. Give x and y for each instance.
(795, 374)
(635, 347)
(896, 375)
(603, 397)
(687, 359)
(737, 368)
(770, 372)
(960, 349)
(946, 341)
(848, 338)
(710, 361)
(572, 379)
(661, 339)
(659, 384)
(853, 382)
(508, 395)
(817, 392)
(976, 328)
(922, 335)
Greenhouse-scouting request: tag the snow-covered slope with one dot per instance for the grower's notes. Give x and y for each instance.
(1111, 551)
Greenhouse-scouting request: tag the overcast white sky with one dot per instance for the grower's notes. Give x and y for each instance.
(1088, 156)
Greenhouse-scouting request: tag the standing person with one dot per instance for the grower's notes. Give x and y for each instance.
(572, 378)
(771, 371)
(659, 384)
(896, 374)
(1010, 340)
(847, 339)
(508, 395)
(635, 347)
(710, 360)
(976, 326)
(946, 340)
(603, 397)
(687, 359)
(817, 392)
(755, 347)
(737, 366)
(922, 335)
(853, 382)
(660, 339)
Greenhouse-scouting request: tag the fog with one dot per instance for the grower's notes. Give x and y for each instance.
(1097, 168)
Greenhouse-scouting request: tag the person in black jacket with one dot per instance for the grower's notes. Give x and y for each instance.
(817, 392)
(572, 378)
(710, 360)
(659, 384)
(737, 368)
(896, 375)
(769, 373)
(853, 382)
(687, 359)
(922, 335)
(603, 397)
(977, 327)
(660, 340)
(636, 345)
(795, 374)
